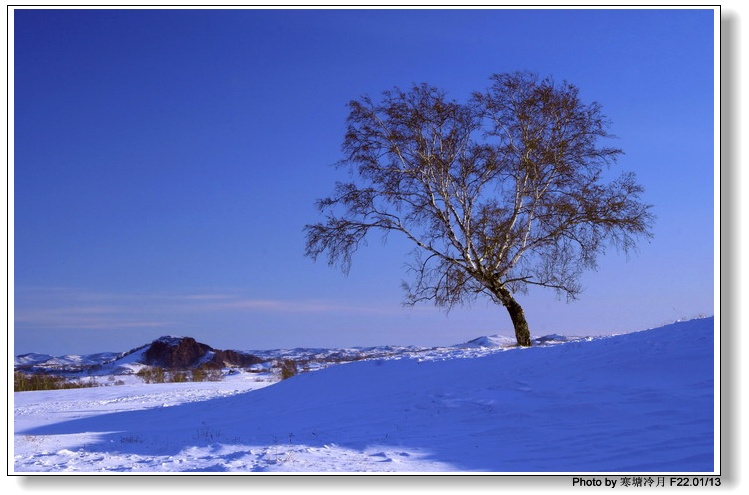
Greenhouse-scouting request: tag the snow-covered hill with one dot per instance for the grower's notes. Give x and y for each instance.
(68, 362)
(108, 363)
(641, 402)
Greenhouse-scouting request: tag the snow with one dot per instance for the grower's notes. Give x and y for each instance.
(641, 402)
(491, 341)
(68, 360)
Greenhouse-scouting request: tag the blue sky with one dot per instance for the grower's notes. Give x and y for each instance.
(166, 161)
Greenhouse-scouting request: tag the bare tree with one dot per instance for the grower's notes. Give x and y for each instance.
(501, 193)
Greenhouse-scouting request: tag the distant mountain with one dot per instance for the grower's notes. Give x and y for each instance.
(490, 341)
(31, 359)
(501, 341)
(69, 362)
(172, 352)
(167, 352)
(186, 352)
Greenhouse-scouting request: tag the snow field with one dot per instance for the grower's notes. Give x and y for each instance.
(639, 402)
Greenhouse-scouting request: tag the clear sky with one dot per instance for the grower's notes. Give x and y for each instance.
(166, 161)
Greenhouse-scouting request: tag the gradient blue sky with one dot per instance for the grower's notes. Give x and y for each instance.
(166, 162)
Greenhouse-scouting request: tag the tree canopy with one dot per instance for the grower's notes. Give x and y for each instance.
(505, 191)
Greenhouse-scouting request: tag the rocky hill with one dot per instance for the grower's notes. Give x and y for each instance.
(181, 353)
(186, 352)
(174, 353)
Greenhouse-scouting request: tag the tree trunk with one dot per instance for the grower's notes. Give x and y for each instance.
(522, 332)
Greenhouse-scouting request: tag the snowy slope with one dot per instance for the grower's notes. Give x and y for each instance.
(640, 402)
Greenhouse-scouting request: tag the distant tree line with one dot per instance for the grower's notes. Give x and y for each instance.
(23, 382)
(155, 374)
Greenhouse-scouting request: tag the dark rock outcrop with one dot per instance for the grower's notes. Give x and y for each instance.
(186, 352)
(173, 352)
(231, 359)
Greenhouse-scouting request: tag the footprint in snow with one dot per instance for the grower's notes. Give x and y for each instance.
(383, 455)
